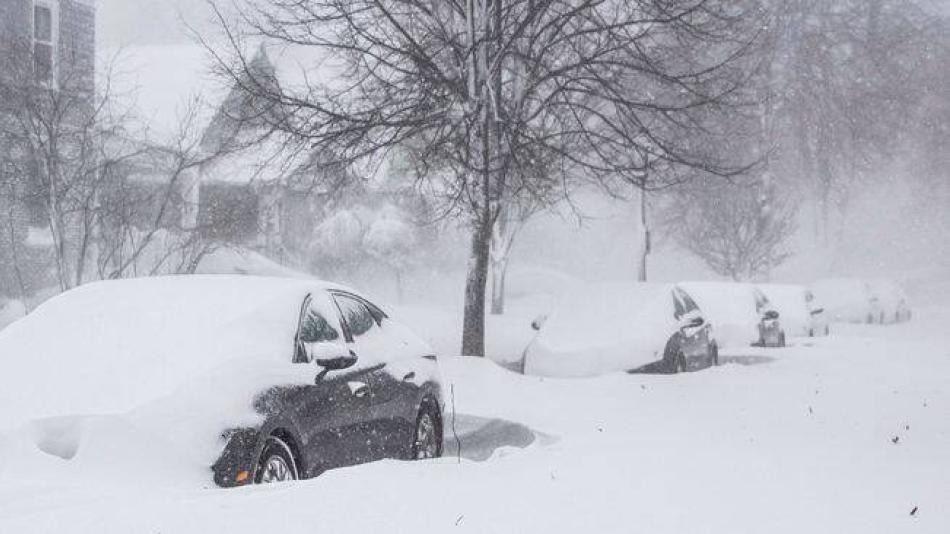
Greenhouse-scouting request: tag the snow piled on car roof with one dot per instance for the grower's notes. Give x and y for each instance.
(108, 347)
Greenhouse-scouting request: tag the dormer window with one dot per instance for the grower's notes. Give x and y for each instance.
(44, 43)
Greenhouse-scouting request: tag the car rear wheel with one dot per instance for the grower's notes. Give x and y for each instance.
(276, 463)
(427, 439)
(781, 339)
(713, 355)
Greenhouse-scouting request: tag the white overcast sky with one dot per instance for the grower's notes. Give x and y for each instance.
(147, 22)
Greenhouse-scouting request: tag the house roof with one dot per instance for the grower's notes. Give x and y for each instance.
(175, 94)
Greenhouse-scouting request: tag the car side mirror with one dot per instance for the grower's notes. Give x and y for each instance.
(694, 322)
(338, 363)
(330, 356)
(818, 311)
(333, 358)
(771, 315)
(538, 323)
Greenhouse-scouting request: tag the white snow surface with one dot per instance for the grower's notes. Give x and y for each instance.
(603, 328)
(848, 434)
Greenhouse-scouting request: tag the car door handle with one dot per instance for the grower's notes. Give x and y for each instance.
(409, 376)
(358, 389)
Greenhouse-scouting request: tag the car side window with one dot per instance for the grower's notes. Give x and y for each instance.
(315, 328)
(357, 316)
(318, 324)
(679, 310)
(689, 303)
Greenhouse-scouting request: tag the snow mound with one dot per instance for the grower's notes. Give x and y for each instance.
(109, 347)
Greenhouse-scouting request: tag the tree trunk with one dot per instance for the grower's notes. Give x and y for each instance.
(646, 245)
(499, 270)
(473, 322)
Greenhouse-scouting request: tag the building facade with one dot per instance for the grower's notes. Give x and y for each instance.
(47, 48)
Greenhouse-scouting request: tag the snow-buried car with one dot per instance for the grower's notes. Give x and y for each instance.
(604, 328)
(260, 379)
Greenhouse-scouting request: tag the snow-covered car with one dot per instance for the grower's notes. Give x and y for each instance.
(771, 330)
(604, 328)
(256, 379)
(848, 300)
(741, 314)
(818, 324)
(890, 302)
(801, 314)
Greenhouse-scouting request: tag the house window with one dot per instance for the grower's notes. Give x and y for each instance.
(44, 40)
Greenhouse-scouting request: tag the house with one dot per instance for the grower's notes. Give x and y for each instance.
(58, 36)
(251, 189)
(47, 47)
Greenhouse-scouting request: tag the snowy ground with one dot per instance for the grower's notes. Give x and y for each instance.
(849, 434)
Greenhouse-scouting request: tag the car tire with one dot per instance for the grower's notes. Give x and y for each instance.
(713, 355)
(781, 340)
(827, 330)
(811, 333)
(276, 463)
(427, 435)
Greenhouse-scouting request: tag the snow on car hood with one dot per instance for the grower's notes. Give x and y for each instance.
(603, 328)
(109, 347)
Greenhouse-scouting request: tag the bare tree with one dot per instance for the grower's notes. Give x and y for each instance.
(477, 90)
(110, 203)
(837, 92)
(739, 229)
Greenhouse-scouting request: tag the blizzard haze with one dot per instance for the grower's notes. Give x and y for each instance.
(367, 269)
